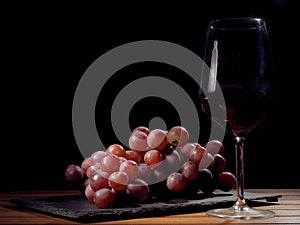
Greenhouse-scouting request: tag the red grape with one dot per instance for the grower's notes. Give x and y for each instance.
(138, 140)
(197, 154)
(226, 181)
(131, 168)
(110, 163)
(99, 180)
(153, 157)
(137, 190)
(190, 170)
(157, 139)
(214, 147)
(219, 164)
(178, 136)
(206, 180)
(97, 156)
(74, 175)
(117, 150)
(176, 182)
(103, 198)
(118, 180)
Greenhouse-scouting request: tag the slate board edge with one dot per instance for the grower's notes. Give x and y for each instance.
(145, 210)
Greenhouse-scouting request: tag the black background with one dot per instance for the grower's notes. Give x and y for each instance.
(47, 48)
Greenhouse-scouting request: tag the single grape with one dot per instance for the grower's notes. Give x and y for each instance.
(197, 154)
(103, 198)
(190, 170)
(137, 190)
(215, 147)
(157, 139)
(226, 181)
(131, 168)
(153, 157)
(207, 183)
(74, 175)
(99, 180)
(97, 156)
(176, 182)
(118, 180)
(138, 141)
(219, 164)
(110, 163)
(117, 150)
(178, 136)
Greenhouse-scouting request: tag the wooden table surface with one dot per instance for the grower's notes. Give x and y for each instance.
(287, 211)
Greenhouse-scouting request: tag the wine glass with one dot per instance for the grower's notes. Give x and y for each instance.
(238, 91)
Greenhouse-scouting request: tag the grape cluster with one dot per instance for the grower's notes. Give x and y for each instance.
(158, 163)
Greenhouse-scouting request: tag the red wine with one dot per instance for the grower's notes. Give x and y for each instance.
(243, 110)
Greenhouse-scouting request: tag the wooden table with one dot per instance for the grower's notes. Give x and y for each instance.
(287, 211)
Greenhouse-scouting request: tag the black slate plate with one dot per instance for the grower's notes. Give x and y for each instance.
(78, 208)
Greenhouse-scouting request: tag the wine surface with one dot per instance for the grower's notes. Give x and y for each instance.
(243, 110)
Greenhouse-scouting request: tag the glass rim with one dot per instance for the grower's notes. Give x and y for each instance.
(237, 23)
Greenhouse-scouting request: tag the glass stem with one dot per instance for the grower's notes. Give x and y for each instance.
(239, 153)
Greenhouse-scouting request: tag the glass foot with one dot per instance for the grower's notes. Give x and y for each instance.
(242, 213)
